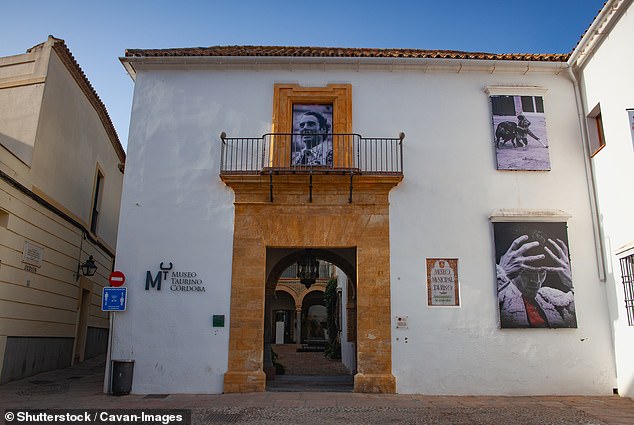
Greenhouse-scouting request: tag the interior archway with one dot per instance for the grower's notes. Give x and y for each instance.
(311, 360)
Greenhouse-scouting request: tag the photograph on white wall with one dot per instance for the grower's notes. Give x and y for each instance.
(519, 128)
(534, 277)
(442, 282)
(311, 144)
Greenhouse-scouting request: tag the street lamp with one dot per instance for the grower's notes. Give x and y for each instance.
(88, 268)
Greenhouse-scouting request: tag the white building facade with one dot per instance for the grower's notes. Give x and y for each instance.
(212, 210)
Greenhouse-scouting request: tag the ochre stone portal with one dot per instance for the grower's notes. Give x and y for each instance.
(329, 221)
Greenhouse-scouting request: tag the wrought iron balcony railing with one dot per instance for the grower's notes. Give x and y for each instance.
(317, 152)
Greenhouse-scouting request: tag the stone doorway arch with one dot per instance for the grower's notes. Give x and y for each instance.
(354, 235)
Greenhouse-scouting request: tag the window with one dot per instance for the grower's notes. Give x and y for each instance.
(533, 104)
(4, 218)
(527, 104)
(96, 203)
(627, 274)
(503, 105)
(599, 123)
(539, 104)
(596, 136)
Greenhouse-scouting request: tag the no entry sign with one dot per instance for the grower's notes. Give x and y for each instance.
(116, 278)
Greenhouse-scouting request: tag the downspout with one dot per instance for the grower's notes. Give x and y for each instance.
(592, 190)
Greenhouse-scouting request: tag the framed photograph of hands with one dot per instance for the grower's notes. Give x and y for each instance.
(534, 277)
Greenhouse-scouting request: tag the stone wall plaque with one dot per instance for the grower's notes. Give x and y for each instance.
(442, 282)
(32, 254)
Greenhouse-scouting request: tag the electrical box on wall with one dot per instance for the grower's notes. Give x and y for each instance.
(401, 322)
(218, 321)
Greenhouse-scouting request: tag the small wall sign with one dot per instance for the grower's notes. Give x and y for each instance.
(401, 322)
(32, 254)
(442, 282)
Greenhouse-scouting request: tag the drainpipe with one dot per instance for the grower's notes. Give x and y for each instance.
(592, 190)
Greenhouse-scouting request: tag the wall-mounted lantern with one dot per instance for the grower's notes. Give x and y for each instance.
(88, 268)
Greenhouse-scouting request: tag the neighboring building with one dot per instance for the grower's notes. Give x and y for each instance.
(602, 64)
(61, 174)
(468, 250)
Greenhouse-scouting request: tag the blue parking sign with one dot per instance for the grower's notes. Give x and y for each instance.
(113, 299)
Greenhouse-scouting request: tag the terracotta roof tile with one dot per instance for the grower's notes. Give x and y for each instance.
(299, 51)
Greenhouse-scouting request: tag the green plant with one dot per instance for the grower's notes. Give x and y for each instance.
(333, 346)
(279, 367)
(333, 350)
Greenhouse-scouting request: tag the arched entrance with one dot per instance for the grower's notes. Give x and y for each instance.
(353, 234)
(311, 359)
(314, 318)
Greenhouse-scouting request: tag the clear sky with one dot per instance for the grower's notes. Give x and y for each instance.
(98, 32)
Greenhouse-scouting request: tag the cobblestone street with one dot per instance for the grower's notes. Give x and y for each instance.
(80, 387)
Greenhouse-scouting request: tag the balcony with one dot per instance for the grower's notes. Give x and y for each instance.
(286, 153)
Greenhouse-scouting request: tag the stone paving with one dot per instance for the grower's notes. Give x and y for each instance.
(80, 387)
(307, 363)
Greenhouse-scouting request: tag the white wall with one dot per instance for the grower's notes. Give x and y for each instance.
(176, 209)
(606, 79)
(348, 349)
(441, 210)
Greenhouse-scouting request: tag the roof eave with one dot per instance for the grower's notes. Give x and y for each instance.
(131, 64)
(608, 16)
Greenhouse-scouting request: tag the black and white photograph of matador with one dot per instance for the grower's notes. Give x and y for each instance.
(519, 133)
(312, 143)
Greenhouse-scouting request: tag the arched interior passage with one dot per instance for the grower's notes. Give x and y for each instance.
(314, 318)
(308, 342)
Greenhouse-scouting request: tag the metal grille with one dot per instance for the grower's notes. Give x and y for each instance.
(627, 273)
(278, 152)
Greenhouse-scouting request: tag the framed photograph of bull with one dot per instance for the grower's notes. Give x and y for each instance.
(534, 277)
(519, 133)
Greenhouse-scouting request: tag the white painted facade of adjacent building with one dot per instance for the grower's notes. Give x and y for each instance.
(603, 64)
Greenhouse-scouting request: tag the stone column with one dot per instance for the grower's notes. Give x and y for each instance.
(269, 369)
(246, 332)
(374, 323)
(298, 325)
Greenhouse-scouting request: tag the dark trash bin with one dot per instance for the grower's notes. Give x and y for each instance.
(122, 371)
